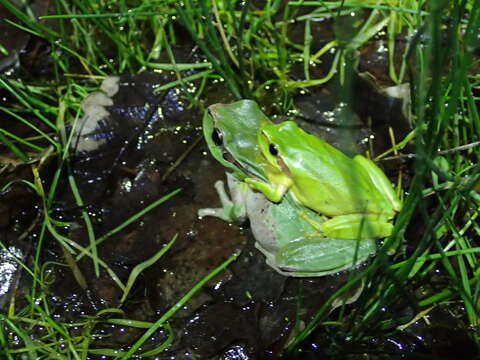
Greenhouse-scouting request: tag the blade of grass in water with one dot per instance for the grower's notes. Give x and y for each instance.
(88, 224)
(142, 266)
(131, 220)
(13, 148)
(160, 322)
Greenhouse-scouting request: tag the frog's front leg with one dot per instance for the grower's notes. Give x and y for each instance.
(356, 226)
(273, 192)
(231, 210)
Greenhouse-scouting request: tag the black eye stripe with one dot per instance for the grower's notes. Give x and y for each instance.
(228, 157)
(217, 137)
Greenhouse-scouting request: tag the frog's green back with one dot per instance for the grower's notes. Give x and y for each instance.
(324, 178)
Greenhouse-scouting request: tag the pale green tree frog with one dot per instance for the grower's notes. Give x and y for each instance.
(353, 194)
(283, 231)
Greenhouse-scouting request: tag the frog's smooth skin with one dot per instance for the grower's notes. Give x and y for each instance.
(353, 193)
(291, 245)
(230, 131)
(283, 231)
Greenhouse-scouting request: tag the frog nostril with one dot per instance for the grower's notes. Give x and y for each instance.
(273, 149)
(217, 137)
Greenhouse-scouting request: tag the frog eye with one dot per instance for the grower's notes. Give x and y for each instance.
(217, 137)
(273, 149)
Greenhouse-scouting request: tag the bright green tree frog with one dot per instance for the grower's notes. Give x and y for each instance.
(283, 231)
(353, 194)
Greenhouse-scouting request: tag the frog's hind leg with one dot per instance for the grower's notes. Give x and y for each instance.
(314, 221)
(321, 256)
(356, 226)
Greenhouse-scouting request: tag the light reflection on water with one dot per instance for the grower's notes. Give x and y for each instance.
(8, 265)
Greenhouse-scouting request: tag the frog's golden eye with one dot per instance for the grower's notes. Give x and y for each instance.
(217, 137)
(273, 149)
